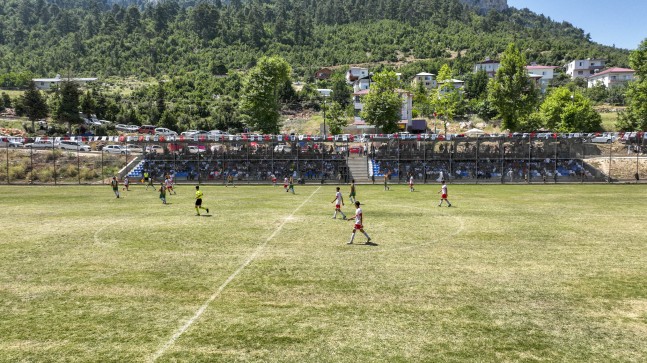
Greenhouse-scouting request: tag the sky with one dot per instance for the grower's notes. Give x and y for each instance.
(619, 22)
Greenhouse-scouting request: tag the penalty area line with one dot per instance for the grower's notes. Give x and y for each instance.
(217, 293)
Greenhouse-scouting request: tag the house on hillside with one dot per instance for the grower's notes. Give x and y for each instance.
(544, 75)
(323, 74)
(612, 77)
(360, 78)
(583, 68)
(456, 83)
(406, 112)
(356, 73)
(46, 84)
(489, 66)
(424, 78)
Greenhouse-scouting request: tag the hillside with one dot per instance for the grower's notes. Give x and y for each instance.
(99, 38)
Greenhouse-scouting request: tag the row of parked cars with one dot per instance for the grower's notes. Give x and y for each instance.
(163, 131)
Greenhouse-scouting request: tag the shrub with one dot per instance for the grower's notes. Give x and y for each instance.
(17, 172)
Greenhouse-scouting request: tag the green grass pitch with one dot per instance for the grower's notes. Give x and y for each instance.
(509, 273)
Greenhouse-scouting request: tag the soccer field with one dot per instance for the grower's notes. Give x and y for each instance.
(508, 273)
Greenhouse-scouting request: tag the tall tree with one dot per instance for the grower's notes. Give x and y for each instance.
(382, 105)
(260, 99)
(34, 105)
(88, 104)
(635, 117)
(446, 99)
(341, 92)
(511, 91)
(337, 119)
(67, 111)
(476, 85)
(566, 111)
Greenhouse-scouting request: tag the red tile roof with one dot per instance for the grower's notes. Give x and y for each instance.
(614, 70)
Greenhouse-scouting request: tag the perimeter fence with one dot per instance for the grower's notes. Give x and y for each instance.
(307, 160)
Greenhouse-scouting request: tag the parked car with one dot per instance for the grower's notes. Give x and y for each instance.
(604, 138)
(115, 149)
(189, 133)
(132, 148)
(9, 142)
(127, 128)
(41, 144)
(91, 122)
(192, 149)
(154, 149)
(282, 148)
(73, 145)
(163, 131)
(147, 129)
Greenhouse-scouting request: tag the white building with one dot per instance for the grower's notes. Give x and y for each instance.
(583, 68)
(489, 66)
(456, 83)
(361, 84)
(355, 73)
(45, 84)
(612, 77)
(406, 111)
(547, 74)
(427, 80)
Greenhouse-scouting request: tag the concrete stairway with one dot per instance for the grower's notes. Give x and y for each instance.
(358, 169)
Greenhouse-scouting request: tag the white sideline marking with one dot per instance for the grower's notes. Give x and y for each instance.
(217, 293)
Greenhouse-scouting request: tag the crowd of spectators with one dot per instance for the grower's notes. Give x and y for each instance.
(493, 170)
(247, 163)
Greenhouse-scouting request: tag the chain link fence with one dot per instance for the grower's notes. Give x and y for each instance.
(460, 160)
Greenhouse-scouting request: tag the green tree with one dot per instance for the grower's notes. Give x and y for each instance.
(341, 92)
(67, 110)
(34, 105)
(168, 120)
(226, 116)
(566, 111)
(635, 116)
(336, 118)
(160, 101)
(260, 98)
(382, 105)
(88, 104)
(6, 100)
(511, 92)
(476, 85)
(446, 99)
(421, 100)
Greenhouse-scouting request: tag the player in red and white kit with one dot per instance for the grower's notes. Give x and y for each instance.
(443, 195)
(285, 183)
(340, 201)
(411, 183)
(273, 177)
(168, 183)
(359, 220)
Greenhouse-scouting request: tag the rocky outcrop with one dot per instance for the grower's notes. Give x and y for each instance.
(486, 5)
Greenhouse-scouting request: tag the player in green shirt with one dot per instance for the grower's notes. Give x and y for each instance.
(198, 201)
(162, 191)
(352, 191)
(291, 185)
(115, 186)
